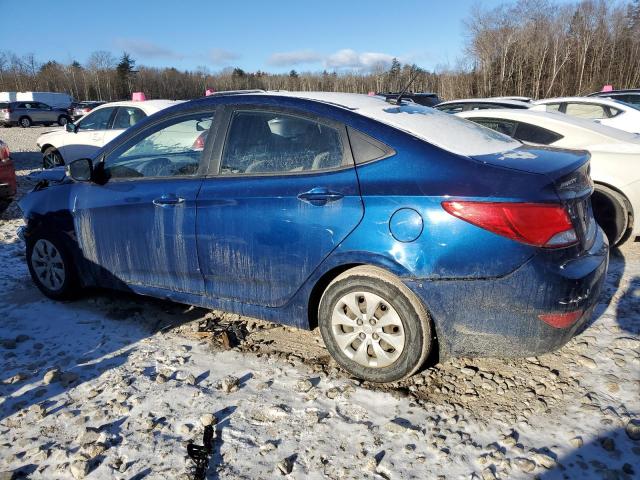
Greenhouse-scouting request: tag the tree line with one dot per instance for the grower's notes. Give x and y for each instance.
(534, 48)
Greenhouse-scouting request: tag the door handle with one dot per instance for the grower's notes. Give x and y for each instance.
(320, 196)
(168, 201)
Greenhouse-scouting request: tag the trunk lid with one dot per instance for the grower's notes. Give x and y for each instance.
(567, 170)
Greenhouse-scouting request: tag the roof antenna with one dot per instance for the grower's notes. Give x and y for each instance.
(398, 99)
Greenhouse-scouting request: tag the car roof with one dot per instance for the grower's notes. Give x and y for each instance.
(148, 106)
(497, 101)
(558, 120)
(441, 129)
(622, 90)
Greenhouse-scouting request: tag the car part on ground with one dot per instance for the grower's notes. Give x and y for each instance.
(297, 204)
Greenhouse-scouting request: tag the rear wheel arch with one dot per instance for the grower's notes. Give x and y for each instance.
(607, 200)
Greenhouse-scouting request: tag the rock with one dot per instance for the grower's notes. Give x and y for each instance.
(487, 474)
(525, 464)
(190, 380)
(633, 429)
(79, 469)
(285, 466)
(333, 392)
(468, 371)
(303, 386)
(51, 376)
(22, 338)
(229, 384)
(38, 410)
(576, 442)
(208, 419)
(587, 361)
(8, 344)
(67, 378)
(17, 378)
(160, 378)
(267, 447)
(608, 444)
(543, 459)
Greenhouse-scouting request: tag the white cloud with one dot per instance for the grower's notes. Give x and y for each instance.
(345, 59)
(218, 56)
(145, 49)
(283, 59)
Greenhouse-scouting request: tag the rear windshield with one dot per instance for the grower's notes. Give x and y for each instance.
(443, 130)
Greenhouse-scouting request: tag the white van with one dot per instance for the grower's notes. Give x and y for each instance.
(53, 99)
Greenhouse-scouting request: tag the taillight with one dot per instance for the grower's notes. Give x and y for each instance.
(198, 144)
(539, 224)
(4, 153)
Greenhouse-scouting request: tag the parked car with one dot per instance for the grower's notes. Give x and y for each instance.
(100, 126)
(7, 177)
(53, 99)
(614, 160)
(421, 98)
(80, 109)
(26, 114)
(338, 210)
(630, 96)
(602, 110)
(466, 104)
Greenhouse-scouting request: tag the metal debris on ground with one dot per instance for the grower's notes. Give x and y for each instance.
(201, 454)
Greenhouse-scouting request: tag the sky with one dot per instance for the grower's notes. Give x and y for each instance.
(274, 36)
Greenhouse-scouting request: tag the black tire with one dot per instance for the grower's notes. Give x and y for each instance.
(25, 122)
(611, 212)
(63, 120)
(51, 158)
(415, 321)
(68, 286)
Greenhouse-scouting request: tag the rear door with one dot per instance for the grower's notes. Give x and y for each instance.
(285, 195)
(124, 118)
(140, 226)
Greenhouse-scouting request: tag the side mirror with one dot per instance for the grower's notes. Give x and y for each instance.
(81, 170)
(71, 127)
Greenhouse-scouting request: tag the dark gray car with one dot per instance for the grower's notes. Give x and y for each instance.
(29, 113)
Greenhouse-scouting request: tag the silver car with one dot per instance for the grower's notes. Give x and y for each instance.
(29, 113)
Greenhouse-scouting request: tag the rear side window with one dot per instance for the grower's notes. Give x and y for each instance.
(454, 108)
(127, 117)
(533, 134)
(586, 110)
(367, 149)
(261, 142)
(552, 107)
(507, 127)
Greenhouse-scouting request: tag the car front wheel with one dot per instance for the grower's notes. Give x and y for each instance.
(51, 158)
(51, 267)
(374, 326)
(62, 120)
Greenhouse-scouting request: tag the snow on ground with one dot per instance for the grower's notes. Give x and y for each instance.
(115, 386)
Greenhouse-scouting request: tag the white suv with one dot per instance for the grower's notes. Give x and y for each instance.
(97, 128)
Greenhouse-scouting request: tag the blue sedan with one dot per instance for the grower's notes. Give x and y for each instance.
(402, 232)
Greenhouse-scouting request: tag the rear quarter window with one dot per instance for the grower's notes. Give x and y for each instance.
(533, 134)
(367, 149)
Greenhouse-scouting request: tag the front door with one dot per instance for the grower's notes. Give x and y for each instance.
(140, 226)
(89, 135)
(286, 195)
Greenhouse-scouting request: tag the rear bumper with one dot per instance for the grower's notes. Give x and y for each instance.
(500, 317)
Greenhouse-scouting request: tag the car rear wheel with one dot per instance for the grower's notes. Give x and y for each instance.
(63, 120)
(611, 212)
(374, 326)
(25, 122)
(51, 267)
(51, 158)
